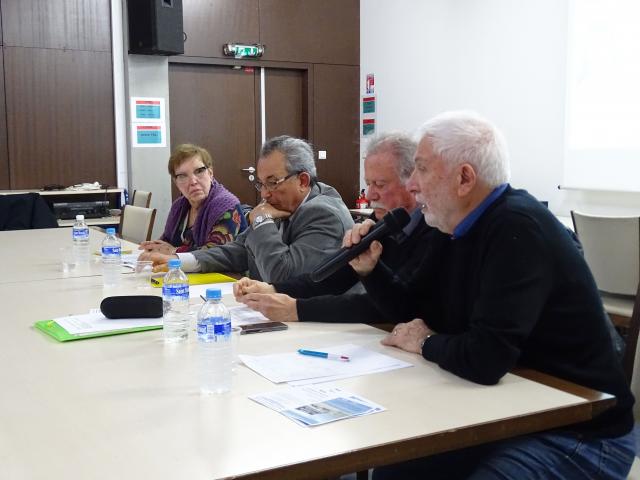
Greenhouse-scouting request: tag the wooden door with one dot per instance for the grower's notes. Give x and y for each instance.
(286, 102)
(218, 107)
(214, 107)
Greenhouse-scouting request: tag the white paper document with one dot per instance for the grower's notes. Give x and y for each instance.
(243, 315)
(314, 405)
(293, 367)
(195, 291)
(94, 322)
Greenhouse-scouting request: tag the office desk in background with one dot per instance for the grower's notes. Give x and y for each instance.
(112, 195)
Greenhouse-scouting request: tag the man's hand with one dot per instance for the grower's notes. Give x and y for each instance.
(364, 263)
(408, 336)
(158, 246)
(275, 306)
(159, 260)
(265, 208)
(245, 286)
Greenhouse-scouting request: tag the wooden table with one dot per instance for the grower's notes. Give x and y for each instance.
(128, 406)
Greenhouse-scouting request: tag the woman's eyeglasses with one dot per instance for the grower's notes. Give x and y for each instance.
(199, 173)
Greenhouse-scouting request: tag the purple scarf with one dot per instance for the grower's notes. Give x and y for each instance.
(219, 201)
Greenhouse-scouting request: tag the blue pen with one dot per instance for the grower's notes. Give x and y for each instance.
(329, 356)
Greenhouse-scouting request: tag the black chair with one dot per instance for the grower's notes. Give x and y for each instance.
(25, 211)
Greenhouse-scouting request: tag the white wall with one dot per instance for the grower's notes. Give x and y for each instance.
(146, 76)
(506, 59)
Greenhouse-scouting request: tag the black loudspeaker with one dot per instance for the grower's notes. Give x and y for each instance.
(155, 27)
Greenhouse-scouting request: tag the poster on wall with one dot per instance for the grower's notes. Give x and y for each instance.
(148, 128)
(368, 115)
(148, 135)
(147, 109)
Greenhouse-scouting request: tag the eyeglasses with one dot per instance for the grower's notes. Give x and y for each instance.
(199, 173)
(271, 185)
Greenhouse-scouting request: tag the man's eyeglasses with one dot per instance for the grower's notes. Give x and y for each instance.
(271, 185)
(199, 173)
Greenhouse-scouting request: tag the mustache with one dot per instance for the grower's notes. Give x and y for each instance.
(377, 205)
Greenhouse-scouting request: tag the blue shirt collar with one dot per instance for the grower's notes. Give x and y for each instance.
(416, 218)
(465, 225)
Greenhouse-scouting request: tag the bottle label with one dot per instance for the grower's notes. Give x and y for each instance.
(80, 233)
(176, 291)
(110, 251)
(211, 329)
(223, 329)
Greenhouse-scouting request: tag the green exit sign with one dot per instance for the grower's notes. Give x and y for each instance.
(239, 50)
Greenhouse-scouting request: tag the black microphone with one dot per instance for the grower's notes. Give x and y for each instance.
(392, 222)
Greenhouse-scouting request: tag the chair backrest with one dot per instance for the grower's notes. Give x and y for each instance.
(631, 339)
(141, 198)
(612, 250)
(136, 223)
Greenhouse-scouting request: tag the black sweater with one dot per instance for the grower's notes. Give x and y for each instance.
(514, 290)
(326, 301)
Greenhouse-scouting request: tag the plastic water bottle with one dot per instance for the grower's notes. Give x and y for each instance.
(175, 296)
(111, 256)
(215, 348)
(80, 233)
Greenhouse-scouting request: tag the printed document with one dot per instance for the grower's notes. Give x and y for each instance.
(314, 405)
(292, 367)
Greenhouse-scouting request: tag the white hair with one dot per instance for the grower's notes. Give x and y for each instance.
(465, 137)
(401, 146)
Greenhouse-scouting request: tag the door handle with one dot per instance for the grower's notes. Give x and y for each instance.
(250, 170)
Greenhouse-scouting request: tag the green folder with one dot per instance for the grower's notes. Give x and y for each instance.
(198, 279)
(50, 327)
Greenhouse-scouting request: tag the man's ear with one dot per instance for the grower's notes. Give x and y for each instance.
(305, 179)
(466, 179)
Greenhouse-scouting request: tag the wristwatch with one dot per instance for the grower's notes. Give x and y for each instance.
(260, 219)
(425, 339)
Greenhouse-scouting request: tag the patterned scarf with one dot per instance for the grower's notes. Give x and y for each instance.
(219, 201)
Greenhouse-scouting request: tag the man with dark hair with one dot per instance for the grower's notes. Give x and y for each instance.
(387, 166)
(298, 223)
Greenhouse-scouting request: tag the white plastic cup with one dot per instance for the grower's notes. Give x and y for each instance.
(235, 344)
(67, 259)
(143, 272)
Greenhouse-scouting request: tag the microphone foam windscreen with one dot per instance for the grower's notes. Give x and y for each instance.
(134, 306)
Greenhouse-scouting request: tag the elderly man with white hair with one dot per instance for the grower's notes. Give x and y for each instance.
(504, 285)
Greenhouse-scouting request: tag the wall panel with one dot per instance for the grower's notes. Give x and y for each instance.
(59, 116)
(211, 23)
(336, 118)
(326, 31)
(4, 156)
(66, 24)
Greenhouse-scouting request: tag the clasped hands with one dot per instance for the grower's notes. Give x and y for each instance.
(262, 297)
(265, 208)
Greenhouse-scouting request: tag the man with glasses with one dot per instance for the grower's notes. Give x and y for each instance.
(299, 222)
(388, 164)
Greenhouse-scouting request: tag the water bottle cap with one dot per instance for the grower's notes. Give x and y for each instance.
(79, 217)
(214, 294)
(111, 231)
(174, 262)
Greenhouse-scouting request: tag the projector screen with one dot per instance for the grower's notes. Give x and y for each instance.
(602, 135)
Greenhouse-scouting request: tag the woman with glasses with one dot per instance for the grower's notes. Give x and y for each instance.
(206, 214)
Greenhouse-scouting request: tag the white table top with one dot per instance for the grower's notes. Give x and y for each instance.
(128, 406)
(35, 255)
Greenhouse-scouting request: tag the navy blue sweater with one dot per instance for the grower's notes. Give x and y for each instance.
(514, 290)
